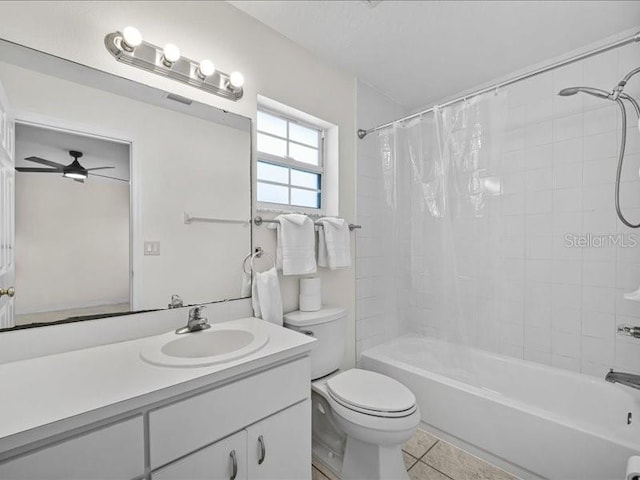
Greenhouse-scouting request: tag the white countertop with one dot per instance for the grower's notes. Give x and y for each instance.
(51, 394)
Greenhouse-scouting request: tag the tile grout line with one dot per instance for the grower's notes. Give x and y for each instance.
(429, 465)
(412, 456)
(428, 450)
(441, 473)
(452, 478)
(313, 467)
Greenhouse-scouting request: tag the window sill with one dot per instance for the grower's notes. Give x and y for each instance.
(281, 211)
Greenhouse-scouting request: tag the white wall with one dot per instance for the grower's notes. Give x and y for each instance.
(272, 65)
(376, 308)
(558, 305)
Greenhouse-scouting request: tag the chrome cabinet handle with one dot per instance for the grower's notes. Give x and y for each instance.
(234, 465)
(263, 450)
(7, 291)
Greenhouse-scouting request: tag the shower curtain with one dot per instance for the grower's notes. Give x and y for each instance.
(440, 174)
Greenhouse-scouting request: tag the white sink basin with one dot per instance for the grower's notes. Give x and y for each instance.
(218, 344)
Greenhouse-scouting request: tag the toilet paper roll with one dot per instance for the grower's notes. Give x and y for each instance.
(633, 468)
(310, 286)
(309, 303)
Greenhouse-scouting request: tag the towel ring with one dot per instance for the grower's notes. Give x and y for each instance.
(244, 263)
(258, 253)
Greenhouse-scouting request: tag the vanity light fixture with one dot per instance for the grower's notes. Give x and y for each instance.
(129, 47)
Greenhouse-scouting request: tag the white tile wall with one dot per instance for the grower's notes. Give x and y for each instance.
(555, 305)
(376, 318)
(572, 296)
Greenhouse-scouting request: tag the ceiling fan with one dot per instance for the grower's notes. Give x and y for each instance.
(74, 170)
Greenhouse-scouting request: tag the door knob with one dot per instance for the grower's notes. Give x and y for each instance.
(7, 291)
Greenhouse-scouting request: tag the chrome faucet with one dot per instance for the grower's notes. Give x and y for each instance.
(628, 379)
(176, 301)
(196, 321)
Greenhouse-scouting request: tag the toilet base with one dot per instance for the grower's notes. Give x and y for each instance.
(364, 461)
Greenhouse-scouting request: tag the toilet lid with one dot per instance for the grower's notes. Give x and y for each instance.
(371, 393)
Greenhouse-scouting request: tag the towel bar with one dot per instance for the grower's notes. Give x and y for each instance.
(258, 220)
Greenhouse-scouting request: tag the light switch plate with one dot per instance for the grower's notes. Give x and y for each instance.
(151, 248)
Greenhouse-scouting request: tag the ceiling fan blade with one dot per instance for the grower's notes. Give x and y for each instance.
(97, 168)
(46, 162)
(35, 169)
(112, 178)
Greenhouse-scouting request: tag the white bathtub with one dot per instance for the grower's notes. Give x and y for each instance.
(533, 420)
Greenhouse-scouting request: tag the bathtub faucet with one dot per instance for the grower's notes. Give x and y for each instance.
(628, 379)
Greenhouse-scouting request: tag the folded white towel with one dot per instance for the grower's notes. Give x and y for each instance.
(295, 251)
(266, 297)
(334, 243)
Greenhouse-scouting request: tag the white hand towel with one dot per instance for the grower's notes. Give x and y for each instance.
(295, 251)
(268, 297)
(245, 285)
(334, 243)
(255, 300)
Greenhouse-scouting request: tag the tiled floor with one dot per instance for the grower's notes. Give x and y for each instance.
(429, 458)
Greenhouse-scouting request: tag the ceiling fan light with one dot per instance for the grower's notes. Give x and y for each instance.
(75, 175)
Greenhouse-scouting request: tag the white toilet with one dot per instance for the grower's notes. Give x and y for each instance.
(361, 419)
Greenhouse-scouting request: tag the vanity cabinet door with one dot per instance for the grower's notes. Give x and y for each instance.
(226, 459)
(279, 447)
(115, 452)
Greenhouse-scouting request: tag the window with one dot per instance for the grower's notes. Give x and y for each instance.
(290, 163)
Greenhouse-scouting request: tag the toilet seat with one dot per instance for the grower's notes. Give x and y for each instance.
(371, 393)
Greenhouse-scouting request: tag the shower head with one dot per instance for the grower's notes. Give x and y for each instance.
(596, 92)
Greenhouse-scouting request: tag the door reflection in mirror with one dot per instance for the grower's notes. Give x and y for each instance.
(72, 232)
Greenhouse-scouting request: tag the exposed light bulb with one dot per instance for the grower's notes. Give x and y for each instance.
(205, 69)
(236, 79)
(170, 54)
(131, 38)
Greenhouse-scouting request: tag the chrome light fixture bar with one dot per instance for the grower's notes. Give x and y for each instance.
(128, 47)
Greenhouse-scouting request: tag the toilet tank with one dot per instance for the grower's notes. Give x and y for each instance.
(328, 326)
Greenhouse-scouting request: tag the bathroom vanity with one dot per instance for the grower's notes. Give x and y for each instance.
(104, 412)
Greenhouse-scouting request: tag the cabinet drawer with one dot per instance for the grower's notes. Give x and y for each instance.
(113, 452)
(213, 462)
(183, 427)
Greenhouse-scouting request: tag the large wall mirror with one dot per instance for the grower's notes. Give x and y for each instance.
(119, 238)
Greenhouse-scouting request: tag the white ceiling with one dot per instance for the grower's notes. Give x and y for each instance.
(54, 145)
(418, 52)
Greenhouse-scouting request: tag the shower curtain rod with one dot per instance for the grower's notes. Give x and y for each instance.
(620, 43)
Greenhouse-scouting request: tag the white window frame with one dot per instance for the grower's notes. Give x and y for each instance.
(289, 163)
